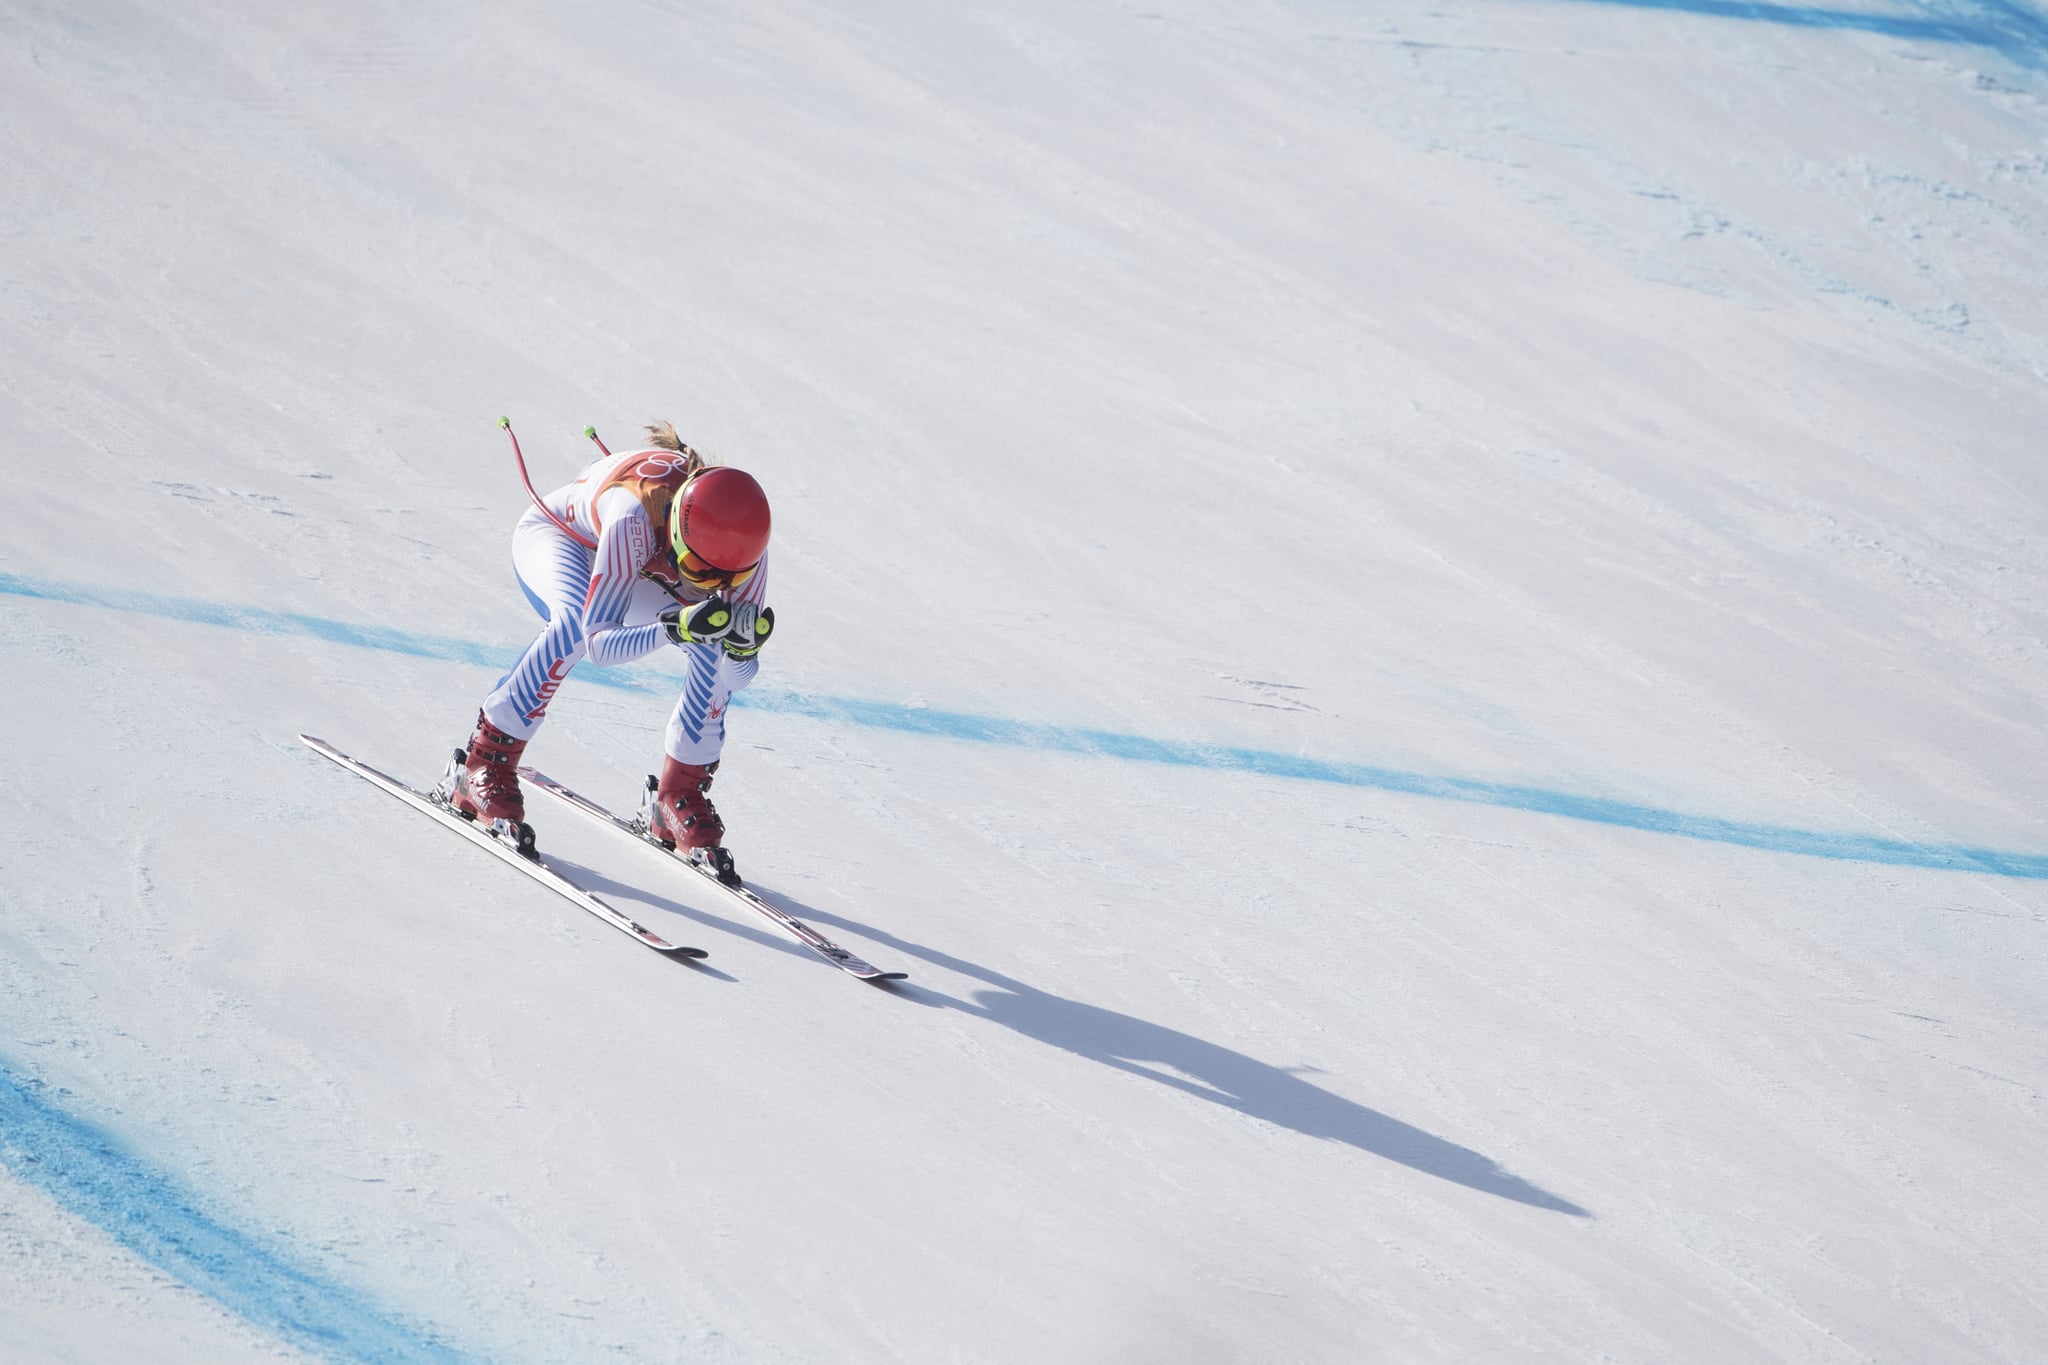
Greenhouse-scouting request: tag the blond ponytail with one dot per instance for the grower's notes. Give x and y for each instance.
(662, 436)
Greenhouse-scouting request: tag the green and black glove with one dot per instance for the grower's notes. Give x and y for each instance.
(706, 623)
(740, 626)
(750, 630)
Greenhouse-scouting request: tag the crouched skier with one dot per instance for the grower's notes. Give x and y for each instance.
(646, 548)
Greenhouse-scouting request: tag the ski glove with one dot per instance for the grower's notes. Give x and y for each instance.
(740, 626)
(750, 630)
(709, 621)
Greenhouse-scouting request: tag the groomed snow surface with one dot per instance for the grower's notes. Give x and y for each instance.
(1425, 626)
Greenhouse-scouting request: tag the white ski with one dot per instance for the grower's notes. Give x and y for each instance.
(715, 869)
(530, 864)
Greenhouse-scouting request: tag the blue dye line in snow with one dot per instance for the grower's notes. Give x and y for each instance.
(257, 620)
(968, 728)
(1596, 810)
(92, 1177)
(2001, 25)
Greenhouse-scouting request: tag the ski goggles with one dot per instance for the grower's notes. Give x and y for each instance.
(701, 573)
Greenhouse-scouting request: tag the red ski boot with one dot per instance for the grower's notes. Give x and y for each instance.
(681, 815)
(487, 786)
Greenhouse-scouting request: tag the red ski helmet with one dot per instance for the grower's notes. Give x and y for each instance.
(718, 526)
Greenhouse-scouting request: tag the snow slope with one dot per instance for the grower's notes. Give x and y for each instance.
(1423, 625)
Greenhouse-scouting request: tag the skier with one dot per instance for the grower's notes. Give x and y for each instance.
(647, 548)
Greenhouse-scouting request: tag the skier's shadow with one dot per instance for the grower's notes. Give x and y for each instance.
(622, 894)
(1219, 1075)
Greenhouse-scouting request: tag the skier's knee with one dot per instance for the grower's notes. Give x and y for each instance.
(567, 627)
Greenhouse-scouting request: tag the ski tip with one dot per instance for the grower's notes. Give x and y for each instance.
(692, 954)
(879, 977)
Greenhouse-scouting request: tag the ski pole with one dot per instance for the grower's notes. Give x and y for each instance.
(520, 458)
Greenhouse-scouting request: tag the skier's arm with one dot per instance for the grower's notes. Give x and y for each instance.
(625, 544)
(624, 644)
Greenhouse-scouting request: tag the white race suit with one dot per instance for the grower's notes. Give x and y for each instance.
(587, 584)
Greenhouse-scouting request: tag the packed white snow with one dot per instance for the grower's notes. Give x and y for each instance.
(1424, 625)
